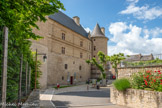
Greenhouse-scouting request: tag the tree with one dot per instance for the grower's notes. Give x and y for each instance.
(115, 60)
(101, 64)
(20, 16)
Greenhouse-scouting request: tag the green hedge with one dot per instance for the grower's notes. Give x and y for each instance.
(121, 84)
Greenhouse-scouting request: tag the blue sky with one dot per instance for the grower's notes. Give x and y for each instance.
(132, 26)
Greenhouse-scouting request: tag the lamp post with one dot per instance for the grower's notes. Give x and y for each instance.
(44, 58)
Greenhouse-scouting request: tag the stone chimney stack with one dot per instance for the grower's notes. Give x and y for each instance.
(103, 30)
(76, 20)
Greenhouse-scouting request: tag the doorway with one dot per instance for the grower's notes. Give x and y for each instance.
(71, 80)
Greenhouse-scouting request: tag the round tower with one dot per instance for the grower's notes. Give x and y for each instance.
(99, 41)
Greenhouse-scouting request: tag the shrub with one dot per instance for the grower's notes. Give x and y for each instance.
(160, 88)
(121, 84)
(137, 81)
(147, 80)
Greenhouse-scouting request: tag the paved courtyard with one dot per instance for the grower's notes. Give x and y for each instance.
(79, 96)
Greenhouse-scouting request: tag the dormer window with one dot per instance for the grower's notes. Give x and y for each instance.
(63, 36)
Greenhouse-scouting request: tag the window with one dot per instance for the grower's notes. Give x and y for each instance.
(63, 50)
(81, 43)
(63, 36)
(89, 57)
(80, 67)
(62, 77)
(73, 62)
(94, 56)
(94, 39)
(94, 48)
(66, 66)
(81, 55)
(80, 77)
(89, 46)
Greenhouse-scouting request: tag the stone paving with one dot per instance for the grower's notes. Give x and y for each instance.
(72, 97)
(33, 100)
(46, 97)
(79, 96)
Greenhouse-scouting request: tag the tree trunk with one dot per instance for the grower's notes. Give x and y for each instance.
(104, 82)
(116, 71)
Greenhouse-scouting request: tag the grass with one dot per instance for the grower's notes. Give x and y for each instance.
(121, 84)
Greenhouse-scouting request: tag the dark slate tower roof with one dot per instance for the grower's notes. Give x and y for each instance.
(69, 23)
(97, 31)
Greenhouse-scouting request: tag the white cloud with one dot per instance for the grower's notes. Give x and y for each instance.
(132, 1)
(131, 39)
(156, 32)
(144, 12)
(87, 30)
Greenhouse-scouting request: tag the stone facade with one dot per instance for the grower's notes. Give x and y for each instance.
(99, 43)
(62, 67)
(128, 71)
(136, 98)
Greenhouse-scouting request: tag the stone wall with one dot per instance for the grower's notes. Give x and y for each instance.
(136, 98)
(44, 50)
(128, 71)
(58, 74)
(101, 45)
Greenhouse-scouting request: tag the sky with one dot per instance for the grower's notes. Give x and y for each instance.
(132, 26)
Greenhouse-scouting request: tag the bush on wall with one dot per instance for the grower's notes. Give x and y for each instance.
(148, 80)
(121, 84)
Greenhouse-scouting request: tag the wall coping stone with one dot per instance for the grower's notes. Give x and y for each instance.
(140, 67)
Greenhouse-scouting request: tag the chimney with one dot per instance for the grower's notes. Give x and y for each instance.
(103, 30)
(76, 20)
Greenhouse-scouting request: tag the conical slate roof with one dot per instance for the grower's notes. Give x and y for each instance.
(97, 31)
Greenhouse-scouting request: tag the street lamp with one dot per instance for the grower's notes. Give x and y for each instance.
(44, 58)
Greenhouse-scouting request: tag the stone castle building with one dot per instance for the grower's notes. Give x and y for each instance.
(67, 46)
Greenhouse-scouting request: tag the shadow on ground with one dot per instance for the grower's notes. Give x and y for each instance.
(100, 94)
(61, 104)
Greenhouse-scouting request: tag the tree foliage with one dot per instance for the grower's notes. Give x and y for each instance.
(101, 63)
(115, 60)
(20, 16)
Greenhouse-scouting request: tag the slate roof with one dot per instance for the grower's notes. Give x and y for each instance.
(97, 31)
(147, 57)
(139, 57)
(69, 23)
